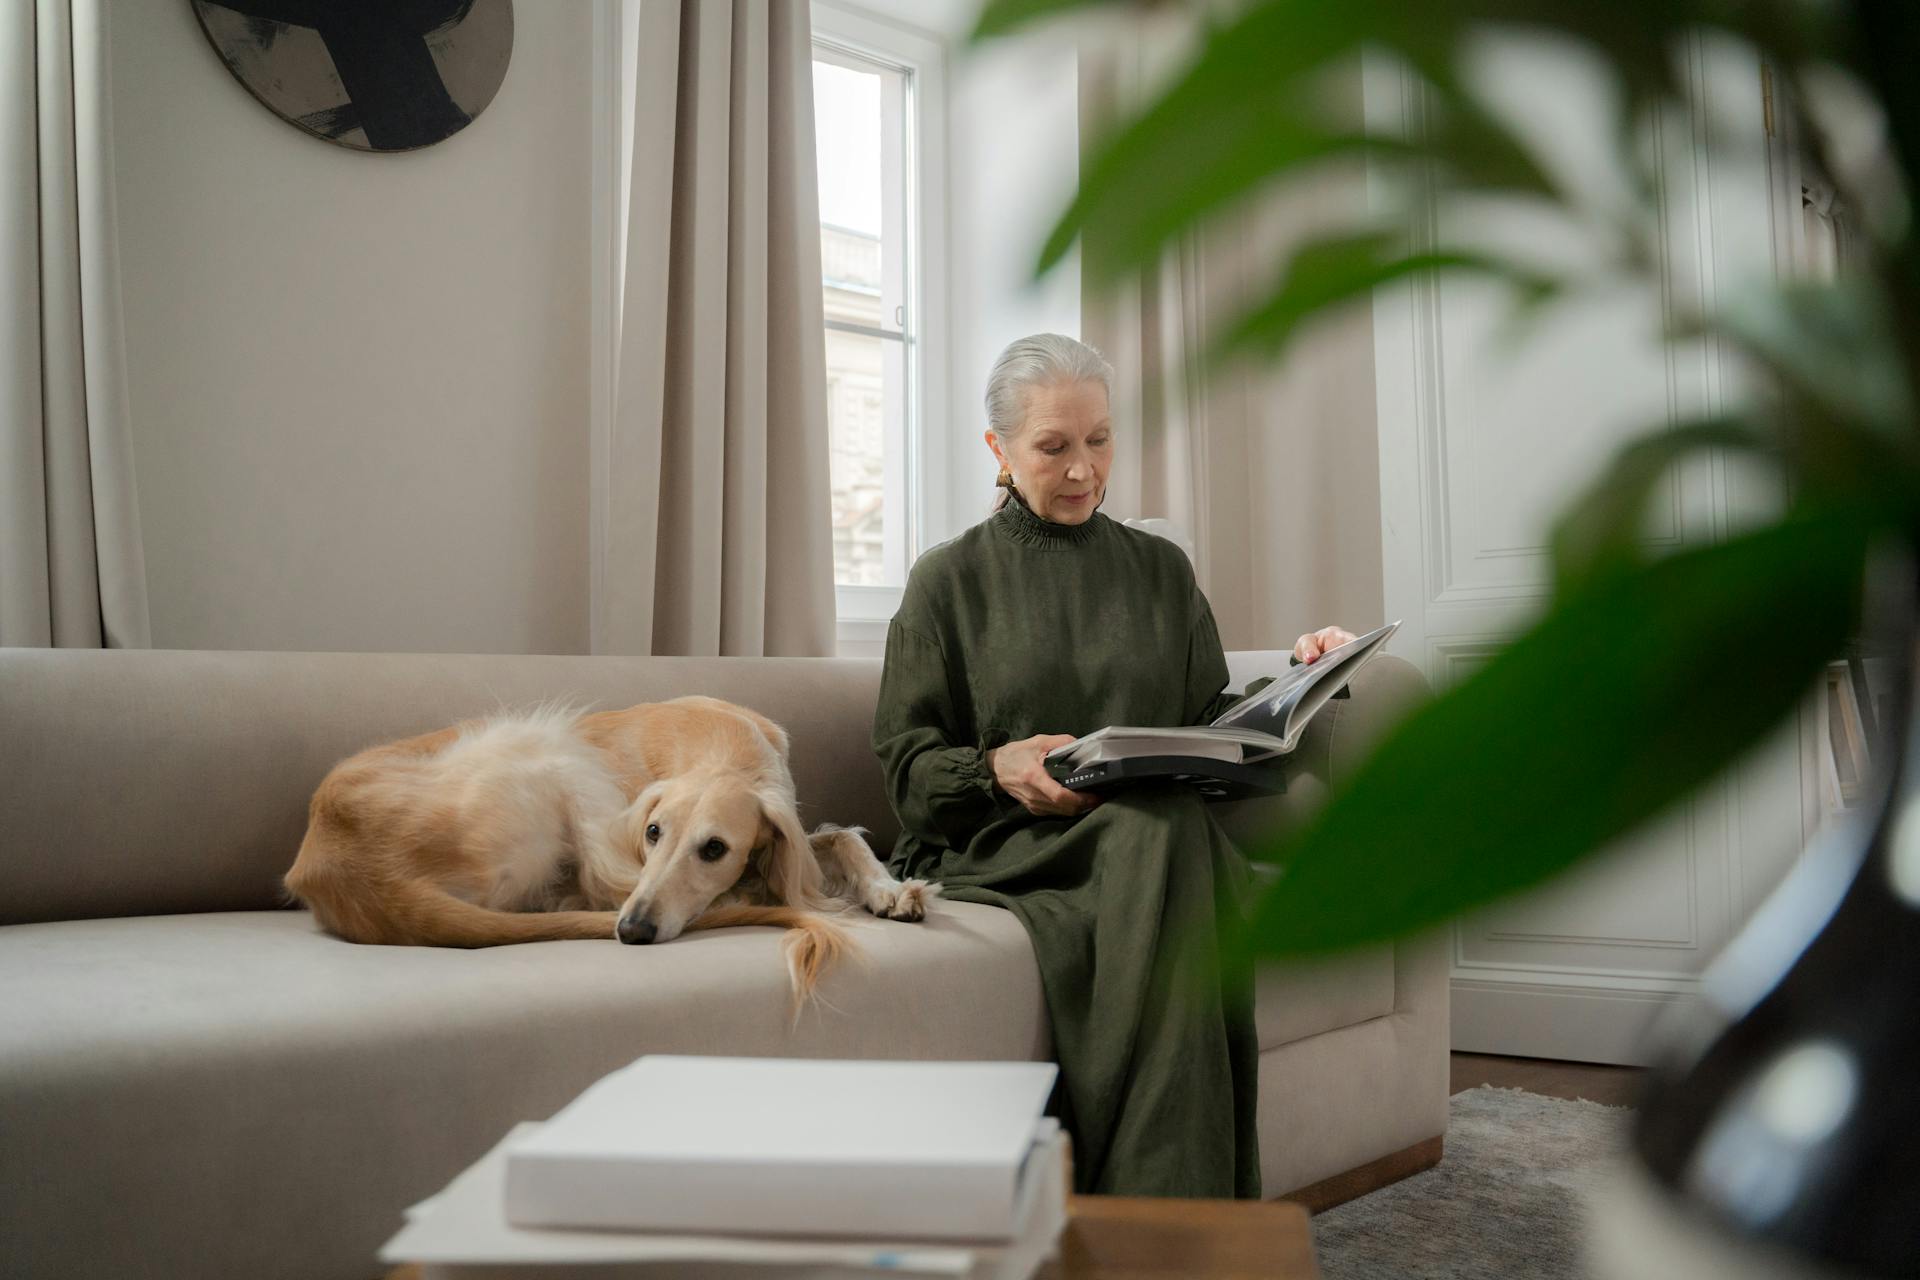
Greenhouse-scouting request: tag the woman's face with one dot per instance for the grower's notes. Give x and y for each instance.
(1060, 456)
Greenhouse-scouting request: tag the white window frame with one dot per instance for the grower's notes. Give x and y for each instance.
(863, 612)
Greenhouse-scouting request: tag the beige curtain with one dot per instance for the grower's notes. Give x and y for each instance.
(1271, 471)
(719, 535)
(71, 569)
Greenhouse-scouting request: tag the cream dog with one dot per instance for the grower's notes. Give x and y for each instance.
(635, 824)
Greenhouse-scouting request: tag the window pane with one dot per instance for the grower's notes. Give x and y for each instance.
(846, 130)
(857, 135)
(859, 122)
(866, 386)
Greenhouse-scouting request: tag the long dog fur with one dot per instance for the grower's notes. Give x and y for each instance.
(537, 826)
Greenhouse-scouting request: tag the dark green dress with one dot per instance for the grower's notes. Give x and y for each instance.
(1023, 626)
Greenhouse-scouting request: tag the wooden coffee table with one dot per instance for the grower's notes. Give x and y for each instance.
(1129, 1238)
(1123, 1237)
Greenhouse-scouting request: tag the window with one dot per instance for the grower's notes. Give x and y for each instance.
(860, 107)
(876, 102)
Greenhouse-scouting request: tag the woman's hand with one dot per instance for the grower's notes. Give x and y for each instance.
(1314, 643)
(1020, 769)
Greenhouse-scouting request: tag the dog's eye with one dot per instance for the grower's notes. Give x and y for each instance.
(653, 833)
(713, 850)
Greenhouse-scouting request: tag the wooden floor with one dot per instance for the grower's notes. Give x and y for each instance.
(1615, 1086)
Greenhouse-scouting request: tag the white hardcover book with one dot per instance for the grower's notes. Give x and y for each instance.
(781, 1146)
(461, 1234)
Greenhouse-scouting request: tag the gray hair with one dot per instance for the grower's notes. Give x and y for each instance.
(1039, 360)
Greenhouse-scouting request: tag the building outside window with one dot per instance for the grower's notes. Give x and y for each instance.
(864, 404)
(873, 90)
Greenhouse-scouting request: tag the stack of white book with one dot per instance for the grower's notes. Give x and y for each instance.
(763, 1168)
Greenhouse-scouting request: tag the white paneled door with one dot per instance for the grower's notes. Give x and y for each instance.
(1486, 430)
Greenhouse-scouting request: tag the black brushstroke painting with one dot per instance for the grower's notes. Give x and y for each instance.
(377, 75)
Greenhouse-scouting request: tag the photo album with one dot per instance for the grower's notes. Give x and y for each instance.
(1239, 754)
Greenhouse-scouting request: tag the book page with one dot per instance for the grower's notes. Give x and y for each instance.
(1284, 707)
(1118, 742)
(1281, 685)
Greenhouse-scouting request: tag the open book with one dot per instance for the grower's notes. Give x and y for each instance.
(1238, 753)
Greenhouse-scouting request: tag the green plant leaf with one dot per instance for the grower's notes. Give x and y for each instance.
(1242, 115)
(1000, 17)
(1472, 151)
(1237, 116)
(1845, 413)
(1620, 702)
(1245, 114)
(1135, 201)
(1598, 535)
(1342, 268)
(1833, 343)
(1648, 675)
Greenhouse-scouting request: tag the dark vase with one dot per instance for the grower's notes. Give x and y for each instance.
(1788, 1127)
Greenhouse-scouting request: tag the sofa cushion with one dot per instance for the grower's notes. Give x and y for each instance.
(1299, 998)
(1304, 998)
(244, 1072)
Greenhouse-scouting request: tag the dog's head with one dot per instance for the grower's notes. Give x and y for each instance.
(698, 835)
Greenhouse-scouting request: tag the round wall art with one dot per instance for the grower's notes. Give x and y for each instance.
(375, 75)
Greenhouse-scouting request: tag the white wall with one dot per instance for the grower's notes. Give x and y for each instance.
(358, 382)
(1014, 141)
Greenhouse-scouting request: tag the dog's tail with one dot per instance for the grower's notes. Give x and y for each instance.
(416, 912)
(814, 943)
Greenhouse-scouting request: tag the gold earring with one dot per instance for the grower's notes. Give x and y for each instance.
(1004, 480)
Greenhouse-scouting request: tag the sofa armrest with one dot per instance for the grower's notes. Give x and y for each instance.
(1335, 744)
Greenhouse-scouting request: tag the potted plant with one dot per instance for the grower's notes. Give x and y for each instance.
(1784, 1133)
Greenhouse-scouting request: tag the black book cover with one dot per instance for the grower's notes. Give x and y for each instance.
(1214, 779)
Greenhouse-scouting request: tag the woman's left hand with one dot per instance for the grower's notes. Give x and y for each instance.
(1314, 643)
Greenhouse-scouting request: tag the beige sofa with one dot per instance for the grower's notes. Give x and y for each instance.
(195, 1081)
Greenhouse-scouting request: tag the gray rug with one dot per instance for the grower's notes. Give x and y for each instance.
(1507, 1200)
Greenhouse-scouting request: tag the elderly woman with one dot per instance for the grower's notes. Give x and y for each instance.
(1045, 621)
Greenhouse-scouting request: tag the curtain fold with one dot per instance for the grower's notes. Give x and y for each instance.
(719, 535)
(1154, 324)
(72, 570)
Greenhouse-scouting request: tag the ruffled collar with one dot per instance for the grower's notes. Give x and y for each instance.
(1021, 523)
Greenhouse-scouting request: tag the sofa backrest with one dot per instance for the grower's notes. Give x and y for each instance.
(142, 782)
(137, 782)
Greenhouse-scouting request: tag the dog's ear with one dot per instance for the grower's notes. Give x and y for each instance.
(773, 733)
(792, 872)
(629, 831)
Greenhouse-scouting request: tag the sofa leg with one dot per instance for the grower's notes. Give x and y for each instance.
(1371, 1176)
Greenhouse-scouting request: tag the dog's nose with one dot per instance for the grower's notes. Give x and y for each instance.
(636, 931)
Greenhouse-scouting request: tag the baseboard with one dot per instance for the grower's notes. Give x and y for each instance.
(1371, 1176)
(1574, 1024)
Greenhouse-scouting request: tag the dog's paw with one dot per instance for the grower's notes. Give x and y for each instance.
(909, 901)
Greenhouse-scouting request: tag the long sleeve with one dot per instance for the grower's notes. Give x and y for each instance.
(1206, 665)
(1207, 669)
(940, 787)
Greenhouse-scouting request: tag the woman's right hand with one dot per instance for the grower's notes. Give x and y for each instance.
(1020, 770)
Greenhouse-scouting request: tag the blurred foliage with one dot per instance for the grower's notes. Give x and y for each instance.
(1648, 674)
